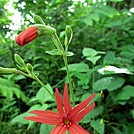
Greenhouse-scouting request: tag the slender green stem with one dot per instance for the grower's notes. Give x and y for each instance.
(40, 82)
(36, 78)
(20, 72)
(69, 79)
(59, 46)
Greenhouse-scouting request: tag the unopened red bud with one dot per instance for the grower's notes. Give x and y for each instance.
(27, 36)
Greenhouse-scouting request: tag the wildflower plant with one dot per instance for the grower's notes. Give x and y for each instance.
(67, 117)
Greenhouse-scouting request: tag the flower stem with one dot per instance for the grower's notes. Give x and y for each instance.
(40, 82)
(69, 79)
(59, 46)
(37, 79)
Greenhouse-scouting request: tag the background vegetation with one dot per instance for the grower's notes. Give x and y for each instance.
(103, 33)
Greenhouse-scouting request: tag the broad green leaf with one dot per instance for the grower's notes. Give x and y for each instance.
(116, 130)
(46, 129)
(127, 54)
(115, 83)
(77, 67)
(89, 52)
(93, 59)
(92, 114)
(126, 93)
(43, 95)
(102, 84)
(98, 125)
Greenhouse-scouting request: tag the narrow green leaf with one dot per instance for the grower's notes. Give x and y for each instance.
(54, 52)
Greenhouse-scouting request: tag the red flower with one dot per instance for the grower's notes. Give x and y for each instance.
(27, 36)
(66, 118)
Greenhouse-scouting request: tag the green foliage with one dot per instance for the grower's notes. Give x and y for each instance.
(8, 88)
(102, 55)
(43, 96)
(45, 127)
(98, 125)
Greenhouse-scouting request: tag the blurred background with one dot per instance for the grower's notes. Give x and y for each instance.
(103, 44)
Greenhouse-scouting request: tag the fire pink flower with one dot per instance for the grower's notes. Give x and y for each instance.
(67, 117)
(27, 36)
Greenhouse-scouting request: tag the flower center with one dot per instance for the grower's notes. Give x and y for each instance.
(66, 120)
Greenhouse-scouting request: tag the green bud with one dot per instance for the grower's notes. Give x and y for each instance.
(6, 71)
(19, 60)
(69, 35)
(38, 20)
(45, 29)
(29, 67)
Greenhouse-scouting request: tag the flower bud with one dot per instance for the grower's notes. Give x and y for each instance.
(45, 29)
(19, 60)
(38, 20)
(69, 35)
(27, 36)
(6, 71)
(29, 67)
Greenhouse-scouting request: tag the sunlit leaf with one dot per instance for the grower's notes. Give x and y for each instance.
(78, 67)
(93, 59)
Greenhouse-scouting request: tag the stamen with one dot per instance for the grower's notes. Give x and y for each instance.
(66, 120)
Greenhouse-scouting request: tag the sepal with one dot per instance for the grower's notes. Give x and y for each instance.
(44, 30)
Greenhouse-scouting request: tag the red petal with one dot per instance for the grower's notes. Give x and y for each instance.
(47, 117)
(59, 130)
(59, 102)
(81, 105)
(77, 129)
(81, 114)
(67, 105)
(45, 113)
